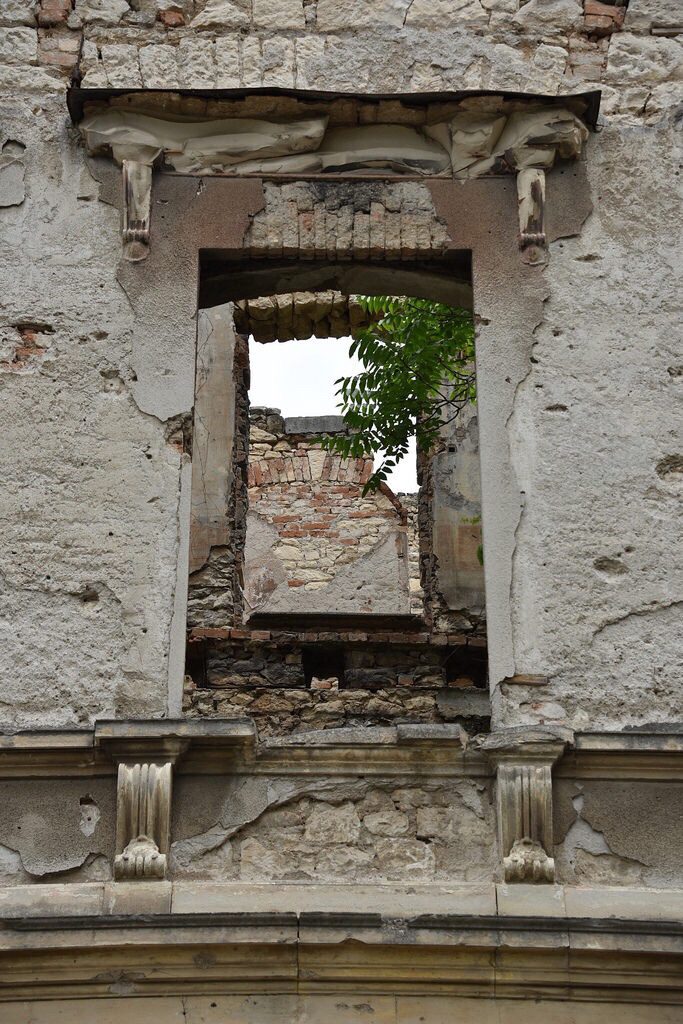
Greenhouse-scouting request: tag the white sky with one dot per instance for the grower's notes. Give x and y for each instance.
(298, 378)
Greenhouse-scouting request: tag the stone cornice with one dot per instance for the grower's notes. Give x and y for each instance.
(624, 755)
(609, 944)
(216, 746)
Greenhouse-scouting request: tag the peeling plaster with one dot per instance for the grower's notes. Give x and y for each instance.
(57, 828)
(319, 816)
(585, 856)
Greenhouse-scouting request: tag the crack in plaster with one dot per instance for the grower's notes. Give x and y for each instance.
(405, 16)
(654, 608)
(515, 464)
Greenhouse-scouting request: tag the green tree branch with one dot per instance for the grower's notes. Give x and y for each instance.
(418, 375)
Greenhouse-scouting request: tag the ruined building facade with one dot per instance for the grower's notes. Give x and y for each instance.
(273, 748)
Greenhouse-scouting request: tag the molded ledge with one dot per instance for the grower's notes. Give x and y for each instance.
(220, 745)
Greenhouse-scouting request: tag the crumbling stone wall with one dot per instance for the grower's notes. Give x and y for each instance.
(361, 221)
(353, 830)
(216, 588)
(314, 543)
(410, 503)
(449, 524)
(93, 467)
(378, 677)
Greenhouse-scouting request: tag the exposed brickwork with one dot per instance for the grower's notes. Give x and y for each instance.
(29, 345)
(53, 12)
(601, 19)
(58, 48)
(373, 221)
(312, 503)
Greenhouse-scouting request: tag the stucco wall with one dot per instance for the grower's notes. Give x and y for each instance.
(92, 483)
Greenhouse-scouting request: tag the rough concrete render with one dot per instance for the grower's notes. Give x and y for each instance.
(467, 806)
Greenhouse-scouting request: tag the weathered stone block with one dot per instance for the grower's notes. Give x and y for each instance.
(405, 858)
(333, 824)
(159, 66)
(635, 60)
(443, 14)
(278, 14)
(102, 12)
(18, 46)
(387, 822)
(222, 14)
(17, 12)
(197, 63)
(335, 15)
(549, 15)
(121, 65)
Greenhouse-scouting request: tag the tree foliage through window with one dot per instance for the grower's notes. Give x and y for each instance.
(418, 374)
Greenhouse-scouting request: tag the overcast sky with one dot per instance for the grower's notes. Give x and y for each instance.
(298, 378)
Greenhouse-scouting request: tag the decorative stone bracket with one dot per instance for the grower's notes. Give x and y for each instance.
(524, 801)
(146, 754)
(143, 817)
(531, 200)
(137, 205)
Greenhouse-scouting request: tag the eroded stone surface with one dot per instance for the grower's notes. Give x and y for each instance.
(336, 830)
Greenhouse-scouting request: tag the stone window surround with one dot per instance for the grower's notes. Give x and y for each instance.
(479, 216)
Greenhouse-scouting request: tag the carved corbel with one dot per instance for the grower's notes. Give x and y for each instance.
(137, 206)
(524, 803)
(531, 205)
(143, 817)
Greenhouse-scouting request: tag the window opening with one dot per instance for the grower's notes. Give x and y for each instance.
(315, 604)
(298, 377)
